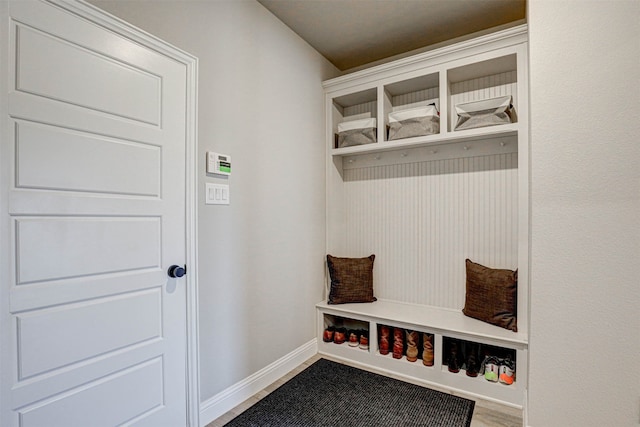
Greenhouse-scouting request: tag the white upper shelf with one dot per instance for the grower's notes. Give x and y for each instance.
(470, 135)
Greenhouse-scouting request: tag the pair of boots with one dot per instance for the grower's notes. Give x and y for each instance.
(455, 359)
(427, 347)
(384, 341)
(412, 344)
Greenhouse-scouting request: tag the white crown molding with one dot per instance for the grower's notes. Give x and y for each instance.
(518, 34)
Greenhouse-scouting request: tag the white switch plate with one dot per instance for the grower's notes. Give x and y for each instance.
(216, 194)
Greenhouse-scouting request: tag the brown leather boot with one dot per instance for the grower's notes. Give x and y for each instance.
(383, 339)
(427, 349)
(398, 343)
(412, 345)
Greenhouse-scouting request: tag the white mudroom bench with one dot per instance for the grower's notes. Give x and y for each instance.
(425, 202)
(444, 323)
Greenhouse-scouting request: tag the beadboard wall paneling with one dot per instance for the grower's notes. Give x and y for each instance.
(417, 96)
(422, 220)
(366, 107)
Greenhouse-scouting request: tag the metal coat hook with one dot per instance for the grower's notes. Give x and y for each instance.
(466, 148)
(403, 154)
(377, 157)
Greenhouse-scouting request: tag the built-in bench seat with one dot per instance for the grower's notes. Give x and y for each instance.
(445, 324)
(438, 320)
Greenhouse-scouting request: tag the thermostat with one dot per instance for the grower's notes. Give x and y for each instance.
(218, 163)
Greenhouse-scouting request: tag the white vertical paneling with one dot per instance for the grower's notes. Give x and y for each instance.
(422, 220)
(417, 96)
(366, 107)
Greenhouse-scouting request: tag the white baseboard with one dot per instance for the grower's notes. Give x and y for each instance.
(241, 391)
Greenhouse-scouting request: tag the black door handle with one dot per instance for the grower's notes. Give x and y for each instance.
(177, 271)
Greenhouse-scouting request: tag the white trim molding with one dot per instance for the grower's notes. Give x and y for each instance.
(232, 396)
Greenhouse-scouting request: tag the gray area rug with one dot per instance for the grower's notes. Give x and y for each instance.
(330, 394)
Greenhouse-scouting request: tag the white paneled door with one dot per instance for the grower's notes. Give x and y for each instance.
(93, 214)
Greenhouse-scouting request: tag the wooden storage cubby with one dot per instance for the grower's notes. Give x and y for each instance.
(353, 104)
(420, 89)
(376, 345)
(348, 324)
(464, 347)
(482, 80)
(423, 204)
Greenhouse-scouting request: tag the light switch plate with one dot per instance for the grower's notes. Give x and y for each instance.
(216, 194)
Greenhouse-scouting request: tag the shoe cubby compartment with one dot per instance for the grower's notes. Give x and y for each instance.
(346, 332)
(404, 344)
(482, 81)
(471, 359)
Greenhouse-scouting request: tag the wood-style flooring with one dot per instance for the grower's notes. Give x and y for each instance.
(485, 414)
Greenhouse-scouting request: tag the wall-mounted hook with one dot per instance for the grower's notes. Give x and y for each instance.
(434, 151)
(465, 148)
(351, 160)
(502, 144)
(403, 154)
(377, 157)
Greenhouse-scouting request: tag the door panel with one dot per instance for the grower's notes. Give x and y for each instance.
(45, 159)
(90, 246)
(57, 331)
(137, 392)
(78, 76)
(96, 214)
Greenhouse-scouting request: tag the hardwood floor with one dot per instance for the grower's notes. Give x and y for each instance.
(485, 414)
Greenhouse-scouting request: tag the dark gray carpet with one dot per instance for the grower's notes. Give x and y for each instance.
(330, 394)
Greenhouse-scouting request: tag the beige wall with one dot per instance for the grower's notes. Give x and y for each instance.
(261, 265)
(585, 194)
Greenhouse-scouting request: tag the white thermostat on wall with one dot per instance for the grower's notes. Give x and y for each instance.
(219, 164)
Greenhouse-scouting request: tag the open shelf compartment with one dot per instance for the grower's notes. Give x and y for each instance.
(468, 358)
(480, 81)
(351, 329)
(411, 93)
(389, 331)
(358, 105)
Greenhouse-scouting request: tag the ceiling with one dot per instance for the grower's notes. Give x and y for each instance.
(352, 33)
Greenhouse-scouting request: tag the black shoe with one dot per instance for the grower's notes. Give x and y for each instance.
(452, 363)
(472, 365)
